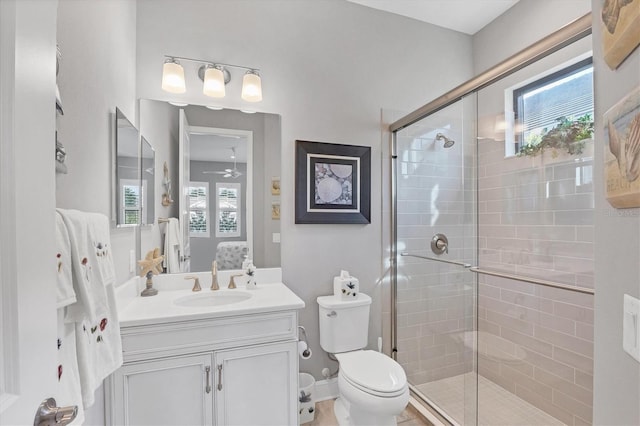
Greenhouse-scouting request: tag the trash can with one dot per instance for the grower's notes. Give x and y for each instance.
(306, 398)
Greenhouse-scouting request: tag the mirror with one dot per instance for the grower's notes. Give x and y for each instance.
(128, 201)
(147, 168)
(228, 201)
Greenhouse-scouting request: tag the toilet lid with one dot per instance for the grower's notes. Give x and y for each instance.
(373, 371)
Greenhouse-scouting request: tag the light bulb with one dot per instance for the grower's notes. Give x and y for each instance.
(252, 87)
(173, 77)
(213, 82)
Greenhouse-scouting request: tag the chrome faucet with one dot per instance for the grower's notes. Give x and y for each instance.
(214, 276)
(232, 283)
(196, 283)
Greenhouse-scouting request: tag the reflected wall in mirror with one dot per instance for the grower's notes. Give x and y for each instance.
(147, 169)
(128, 201)
(227, 201)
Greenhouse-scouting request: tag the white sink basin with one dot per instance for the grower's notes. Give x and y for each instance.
(213, 298)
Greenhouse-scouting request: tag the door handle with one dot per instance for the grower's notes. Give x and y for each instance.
(207, 369)
(219, 377)
(49, 414)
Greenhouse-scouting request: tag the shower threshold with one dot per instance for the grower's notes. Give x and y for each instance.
(496, 405)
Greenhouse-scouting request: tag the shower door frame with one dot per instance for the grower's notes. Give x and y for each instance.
(570, 33)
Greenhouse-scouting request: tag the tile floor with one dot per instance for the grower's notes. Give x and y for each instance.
(497, 406)
(324, 416)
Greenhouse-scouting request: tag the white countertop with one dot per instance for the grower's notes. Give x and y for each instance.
(271, 295)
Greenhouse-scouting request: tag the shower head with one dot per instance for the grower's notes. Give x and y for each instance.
(448, 143)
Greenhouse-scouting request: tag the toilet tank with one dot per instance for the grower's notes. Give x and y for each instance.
(344, 324)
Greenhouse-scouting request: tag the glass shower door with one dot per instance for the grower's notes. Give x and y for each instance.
(435, 197)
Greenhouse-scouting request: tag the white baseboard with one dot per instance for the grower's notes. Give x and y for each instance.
(326, 389)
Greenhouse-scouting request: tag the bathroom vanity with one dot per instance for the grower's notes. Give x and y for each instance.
(226, 357)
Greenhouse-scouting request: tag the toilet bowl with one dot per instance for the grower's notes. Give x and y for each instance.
(372, 387)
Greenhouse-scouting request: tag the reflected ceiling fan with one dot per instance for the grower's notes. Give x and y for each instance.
(228, 173)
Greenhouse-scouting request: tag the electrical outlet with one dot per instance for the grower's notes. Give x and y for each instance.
(631, 327)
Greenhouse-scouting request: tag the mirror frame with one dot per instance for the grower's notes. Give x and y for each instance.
(148, 203)
(119, 121)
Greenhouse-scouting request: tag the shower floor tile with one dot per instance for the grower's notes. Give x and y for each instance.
(496, 405)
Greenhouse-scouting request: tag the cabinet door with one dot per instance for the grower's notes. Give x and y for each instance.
(257, 385)
(170, 391)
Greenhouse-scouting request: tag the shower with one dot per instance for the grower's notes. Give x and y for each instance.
(498, 329)
(448, 143)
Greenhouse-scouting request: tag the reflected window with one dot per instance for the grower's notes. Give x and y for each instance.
(228, 210)
(131, 203)
(199, 209)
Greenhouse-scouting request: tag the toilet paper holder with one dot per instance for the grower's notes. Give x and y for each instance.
(306, 351)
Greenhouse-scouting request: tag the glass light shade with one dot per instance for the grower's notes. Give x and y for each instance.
(213, 83)
(173, 77)
(251, 87)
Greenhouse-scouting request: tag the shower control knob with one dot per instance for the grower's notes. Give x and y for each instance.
(440, 244)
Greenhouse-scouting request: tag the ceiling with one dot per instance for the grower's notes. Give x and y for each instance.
(467, 16)
(218, 147)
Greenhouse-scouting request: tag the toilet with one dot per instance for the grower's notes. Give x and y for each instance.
(372, 387)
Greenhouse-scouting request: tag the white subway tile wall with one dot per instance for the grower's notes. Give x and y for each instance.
(537, 220)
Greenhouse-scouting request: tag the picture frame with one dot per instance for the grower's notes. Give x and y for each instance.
(275, 185)
(332, 183)
(275, 210)
(620, 36)
(622, 152)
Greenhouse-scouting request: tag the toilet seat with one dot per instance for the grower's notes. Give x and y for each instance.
(373, 372)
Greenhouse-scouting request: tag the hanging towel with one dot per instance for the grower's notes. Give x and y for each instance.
(69, 389)
(65, 294)
(172, 246)
(98, 342)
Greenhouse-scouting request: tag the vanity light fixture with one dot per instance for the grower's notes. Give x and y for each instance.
(173, 76)
(252, 86)
(214, 76)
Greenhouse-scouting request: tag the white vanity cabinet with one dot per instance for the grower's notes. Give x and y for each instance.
(169, 391)
(234, 370)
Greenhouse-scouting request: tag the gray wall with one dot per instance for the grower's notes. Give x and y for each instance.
(617, 263)
(328, 68)
(97, 74)
(520, 26)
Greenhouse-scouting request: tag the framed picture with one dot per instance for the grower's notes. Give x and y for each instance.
(333, 183)
(275, 185)
(622, 152)
(620, 35)
(275, 211)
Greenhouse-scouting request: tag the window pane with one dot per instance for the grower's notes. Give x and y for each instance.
(131, 217)
(543, 107)
(131, 195)
(197, 221)
(228, 198)
(198, 209)
(228, 222)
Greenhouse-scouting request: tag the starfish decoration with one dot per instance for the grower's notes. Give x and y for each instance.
(151, 263)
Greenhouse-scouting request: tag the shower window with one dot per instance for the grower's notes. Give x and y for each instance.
(540, 105)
